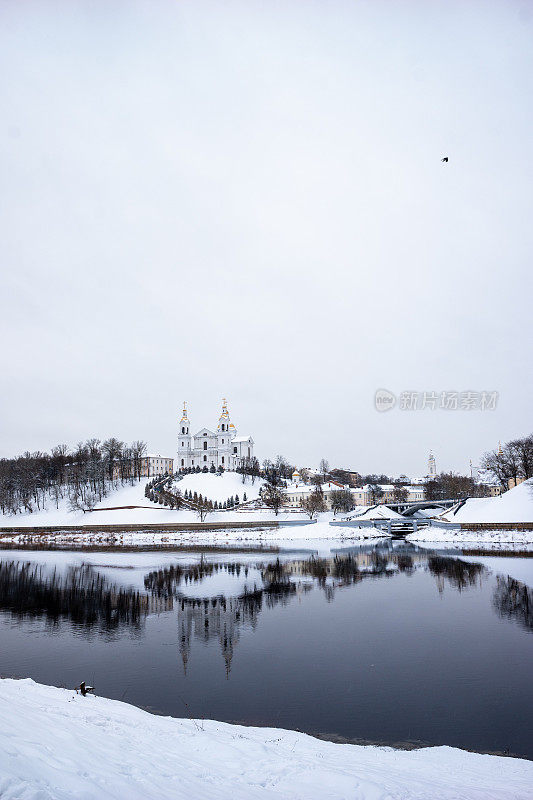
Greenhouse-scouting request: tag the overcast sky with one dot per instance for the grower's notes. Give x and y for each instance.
(246, 199)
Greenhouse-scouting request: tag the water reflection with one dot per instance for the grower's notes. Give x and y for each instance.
(459, 574)
(370, 663)
(81, 595)
(514, 600)
(89, 600)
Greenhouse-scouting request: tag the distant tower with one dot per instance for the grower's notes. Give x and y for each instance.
(432, 469)
(184, 440)
(500, 451)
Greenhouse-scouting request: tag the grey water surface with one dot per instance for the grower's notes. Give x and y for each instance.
(380, 643)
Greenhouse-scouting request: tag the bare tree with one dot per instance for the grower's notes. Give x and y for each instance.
(138, 451)
(314, 503)
(376, 492)
(341, 500)
(524, 451)
(323, 468)
(203, 508)
(273, 497)
(400, 493)
(83, 501)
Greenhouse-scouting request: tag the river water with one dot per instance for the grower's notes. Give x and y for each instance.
(385, 643)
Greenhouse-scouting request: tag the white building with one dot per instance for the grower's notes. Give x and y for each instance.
(296, 492)
(156, 464)
(150, 466)
(207, 448)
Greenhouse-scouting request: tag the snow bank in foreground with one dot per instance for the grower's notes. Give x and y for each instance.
(433, 534)
(516, 505)
(56, 745)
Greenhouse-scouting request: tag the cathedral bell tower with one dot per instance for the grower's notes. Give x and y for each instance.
(225, 432)
(226, 428)
(184, 440)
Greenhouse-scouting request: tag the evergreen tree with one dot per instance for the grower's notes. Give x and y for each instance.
(244, 498)
(236, 499)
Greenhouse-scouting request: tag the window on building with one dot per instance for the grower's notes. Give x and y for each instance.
(234, 449)
(222, 441)
(205, 445)
(222, 459)
(205, 458)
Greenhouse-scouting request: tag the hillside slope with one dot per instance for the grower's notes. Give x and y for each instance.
(516, 505)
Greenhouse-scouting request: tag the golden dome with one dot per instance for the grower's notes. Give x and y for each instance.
(184, 417)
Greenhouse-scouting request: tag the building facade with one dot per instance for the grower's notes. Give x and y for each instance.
(148, 467)
(296, 492)
(206, 448)
(156, 465)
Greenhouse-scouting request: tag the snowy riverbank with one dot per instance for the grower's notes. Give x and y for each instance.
(57, 745)
(271, 536)
(459, 537)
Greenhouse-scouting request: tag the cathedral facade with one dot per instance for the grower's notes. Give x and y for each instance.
(207, 448)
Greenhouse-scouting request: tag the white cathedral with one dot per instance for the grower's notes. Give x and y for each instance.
(206, 448)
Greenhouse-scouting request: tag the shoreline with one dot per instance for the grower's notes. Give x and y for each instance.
(57, 744)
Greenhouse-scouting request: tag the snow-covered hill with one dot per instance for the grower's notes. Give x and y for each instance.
(113, 509)
(57, 745)
(516, 505)
(219, 487)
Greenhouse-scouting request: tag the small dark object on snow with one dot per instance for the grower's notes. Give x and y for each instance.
(445, 159)
(84, 689)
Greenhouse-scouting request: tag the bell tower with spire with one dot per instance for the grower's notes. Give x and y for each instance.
(184, 439)
(432, 468)
(225, 432)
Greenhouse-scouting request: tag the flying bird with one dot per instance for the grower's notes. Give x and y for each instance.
(445, 159)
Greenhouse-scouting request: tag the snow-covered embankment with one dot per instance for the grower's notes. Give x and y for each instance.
(57, 745)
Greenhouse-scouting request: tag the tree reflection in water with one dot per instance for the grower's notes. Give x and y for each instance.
(514, 600)
(87, 599)
(460, 574)
(82, 595)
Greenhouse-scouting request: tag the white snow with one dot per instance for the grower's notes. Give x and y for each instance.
(374, 512)
(485, 537)
(213, 487)
(516, 505)
(219, 487)
(57, 745)
(320, 531)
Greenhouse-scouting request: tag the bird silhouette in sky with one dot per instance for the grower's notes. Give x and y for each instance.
(445, 159)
